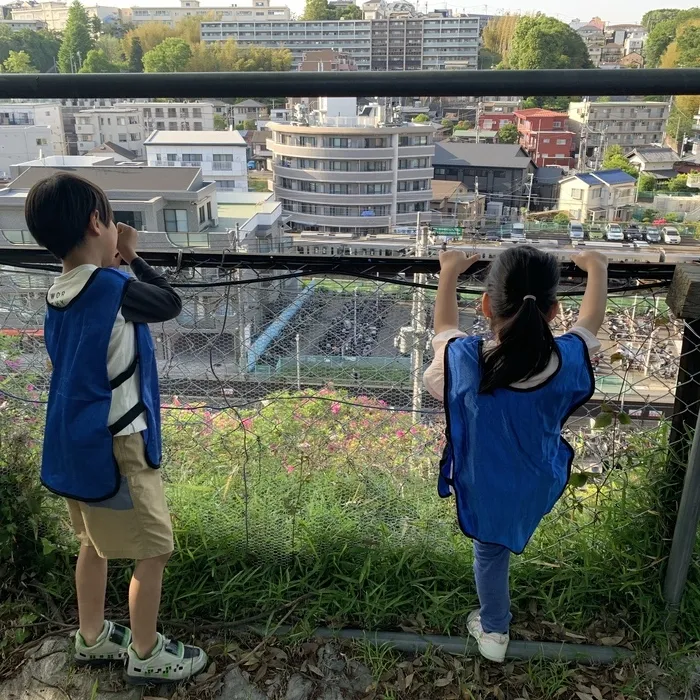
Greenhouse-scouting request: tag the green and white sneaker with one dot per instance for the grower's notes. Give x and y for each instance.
(171, 661)
(492, 646)
(110, 647)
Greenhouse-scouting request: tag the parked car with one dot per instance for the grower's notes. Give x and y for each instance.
(652, 234)
(670, 235)
(576, 232)
(614, 232)
(633, 233)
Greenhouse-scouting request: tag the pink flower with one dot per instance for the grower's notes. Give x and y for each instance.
(247, 423)
(289, 468)
(13, 364)
(176, 401)
(414, 430)
(335, 408)
(400, 434)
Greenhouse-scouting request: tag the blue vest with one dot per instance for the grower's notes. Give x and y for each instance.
(78, 460)
(506, 461)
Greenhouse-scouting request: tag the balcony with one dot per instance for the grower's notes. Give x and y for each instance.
(337, 175)
(332, 199)
(221, 166)
(319, 220)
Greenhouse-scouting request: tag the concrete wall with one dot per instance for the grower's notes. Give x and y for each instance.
(21, 143)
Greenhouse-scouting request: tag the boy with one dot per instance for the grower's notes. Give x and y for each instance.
(102, 440)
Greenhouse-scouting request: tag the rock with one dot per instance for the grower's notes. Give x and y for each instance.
(329, 659)
(662, 693)
(299, 688)
(235, 687)
(332, 692)
(49, 674)
(360, 677)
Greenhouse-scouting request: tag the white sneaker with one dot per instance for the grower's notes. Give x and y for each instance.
(171, 661)
(109, 648)
(492, 646)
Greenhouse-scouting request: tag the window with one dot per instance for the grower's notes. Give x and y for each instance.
(159, 112)
(109, 121)
(184, 126)
(338, 188)
(172, 126)
(175, 220)
(147, 112)
(409, 163)
(160, 126)
(172, 157)
(557, 125)
(41, 142)
(121, 121)
(307, 140)
(339, 165)
(202, 215)
(197, 112)
(561, 142)
(545, 140)
(123, 138)
(198, 126)
(172, 113)
(375, 143)
(209, 216)
(130, 218)
(133, 120)
(577, 193)
(304, 163)
(184, 113)
(308, 186)
(223, 161)
(373, 166)
(135, 137)
(338, 143)
(192, 158)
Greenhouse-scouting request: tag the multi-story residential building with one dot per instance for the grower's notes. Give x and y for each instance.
(348, 174)
(326, 60)
(249, 109)
(500, 171)
(493, 121)
(412, 43)
(606, 195)
(22, 143)
(634, 40)
(220, 154)
(626, 124)
(594, 39)
(47, 114)
(545, 135)
(17, 25)
(611, 53)
(258, 11)
(151, 199)
(120, 125)
(54, 14)
(658, 161)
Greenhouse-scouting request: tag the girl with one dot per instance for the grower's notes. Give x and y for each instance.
(506, 402)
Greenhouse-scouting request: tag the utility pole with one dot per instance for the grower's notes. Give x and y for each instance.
(418, 325)
(529, 192)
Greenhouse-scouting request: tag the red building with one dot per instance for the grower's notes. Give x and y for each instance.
(493, 121)
(545, 136)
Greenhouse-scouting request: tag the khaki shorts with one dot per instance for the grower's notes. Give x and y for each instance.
(134, 524)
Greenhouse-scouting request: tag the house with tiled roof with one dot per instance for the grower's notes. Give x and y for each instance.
(603, 195)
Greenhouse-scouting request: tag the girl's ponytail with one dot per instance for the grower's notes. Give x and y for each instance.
(521, 285)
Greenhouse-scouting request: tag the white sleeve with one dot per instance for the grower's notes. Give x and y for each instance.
(592, 343)
(434, 377)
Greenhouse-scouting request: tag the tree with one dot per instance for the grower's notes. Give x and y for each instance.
(421, 119)
(315, 10)
(464, 125)
(42, 46)
(170, 56)
(248, 125)
(614, 159)
(657, 42)
(150, 34)
(112, 48)
(18, 62)
(97, 62)
(349, 12)
(498, 35)
(688, 44)
(77, 40)
(677, 184)
(189, 29)
(653, 17)
(220, 123)
(561, 219)
(136, 56)
(95, 26)
(508, 133)
(448, 124)
(558, 104)
(544, 42)
(647, 182)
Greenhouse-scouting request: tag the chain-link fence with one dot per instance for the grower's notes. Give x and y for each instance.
(296, 425)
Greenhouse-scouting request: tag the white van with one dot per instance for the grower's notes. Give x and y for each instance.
(670, 235)
(518, 232)
(576, 232)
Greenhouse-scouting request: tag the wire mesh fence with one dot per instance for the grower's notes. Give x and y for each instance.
(296, 426)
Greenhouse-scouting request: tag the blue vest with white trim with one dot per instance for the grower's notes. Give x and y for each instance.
(78, 460)
(506, 461)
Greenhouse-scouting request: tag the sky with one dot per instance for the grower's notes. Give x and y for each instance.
(622, 11)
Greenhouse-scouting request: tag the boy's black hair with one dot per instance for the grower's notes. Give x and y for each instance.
(58, 211)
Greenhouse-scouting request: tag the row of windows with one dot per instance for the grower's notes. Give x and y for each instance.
(472, 172)
(335, 187)
(325, 210)
(363, 166)
(172, 112)
(196, 157)
(332, 142)
(172, 126)
(409, 207)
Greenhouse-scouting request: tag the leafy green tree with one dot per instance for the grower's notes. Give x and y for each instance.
(464, 125)
(136, 56)
(508, 133)
(77, 39)
(97, 62)
(170, 56)
(677, 184)
(220, 122)
(448, 124)
(421, 119)
(646, 182)
(112, 48)
(657, 42)
(653, 17)
(561, 219)
(544, 42)
(614, 159)
(349, 12)
(95, 26)
(558, 104)
(18, 62)
(316, 10)
(688, 43)
(42, 46)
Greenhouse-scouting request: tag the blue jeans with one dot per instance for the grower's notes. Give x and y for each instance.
(491, 562)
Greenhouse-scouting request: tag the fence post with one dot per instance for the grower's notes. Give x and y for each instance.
(684, 302)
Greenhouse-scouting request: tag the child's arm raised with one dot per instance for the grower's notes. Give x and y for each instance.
(453, 263)
(592, 312)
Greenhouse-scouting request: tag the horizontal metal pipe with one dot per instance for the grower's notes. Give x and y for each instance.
(677, 81)
(323, 264)
(459, 646)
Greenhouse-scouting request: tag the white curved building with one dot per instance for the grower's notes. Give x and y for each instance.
(352, 174)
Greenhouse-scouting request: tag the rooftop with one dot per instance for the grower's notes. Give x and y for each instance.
(131, 178)
(110, 147)
(484, 155)
(607, 177)
(653, 154)
(444, 189)
(249, 103)
(200, 138)
(537, 112)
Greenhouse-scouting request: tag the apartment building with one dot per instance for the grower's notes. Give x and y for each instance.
(626, 124)
(17, 25)
(120, 125)
(249, 109)
(606, 195)
(409, 43)
(46, 114)
(351, 174)
(594, 39)
(220, 154)
(258, 11)
(545, 136)
(22, 143)
(54, 14)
